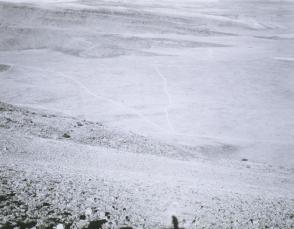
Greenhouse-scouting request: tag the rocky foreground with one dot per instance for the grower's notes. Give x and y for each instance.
(61, 172)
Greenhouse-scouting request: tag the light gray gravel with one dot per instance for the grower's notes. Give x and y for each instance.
(49, 179)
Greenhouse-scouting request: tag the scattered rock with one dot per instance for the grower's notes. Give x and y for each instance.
(107, 214)
(26, 224)
(66, 135)
(82, 217)
(79, 124)
(97, 224)
(4, 67)
(244, 159)
(82, 224)
(66, 213)
(3, 198)
(45, 204)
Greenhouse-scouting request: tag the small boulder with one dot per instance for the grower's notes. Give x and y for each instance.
(82, 217)
(60, 226)
(88, 212)
(97, 224)
(79, 124)
(66, 135)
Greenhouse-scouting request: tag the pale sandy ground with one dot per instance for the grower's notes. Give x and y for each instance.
(189, 109)
(194, 72)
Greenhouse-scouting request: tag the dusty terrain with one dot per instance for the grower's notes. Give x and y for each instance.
(122, 114)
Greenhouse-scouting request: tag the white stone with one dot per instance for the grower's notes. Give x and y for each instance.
(60, 226)
(88, 212)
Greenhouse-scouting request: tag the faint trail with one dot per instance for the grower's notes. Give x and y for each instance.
(114, 102)
(165, 88)
(88, 91)
(161, 130)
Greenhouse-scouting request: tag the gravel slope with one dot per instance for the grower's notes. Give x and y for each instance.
(49, 177)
